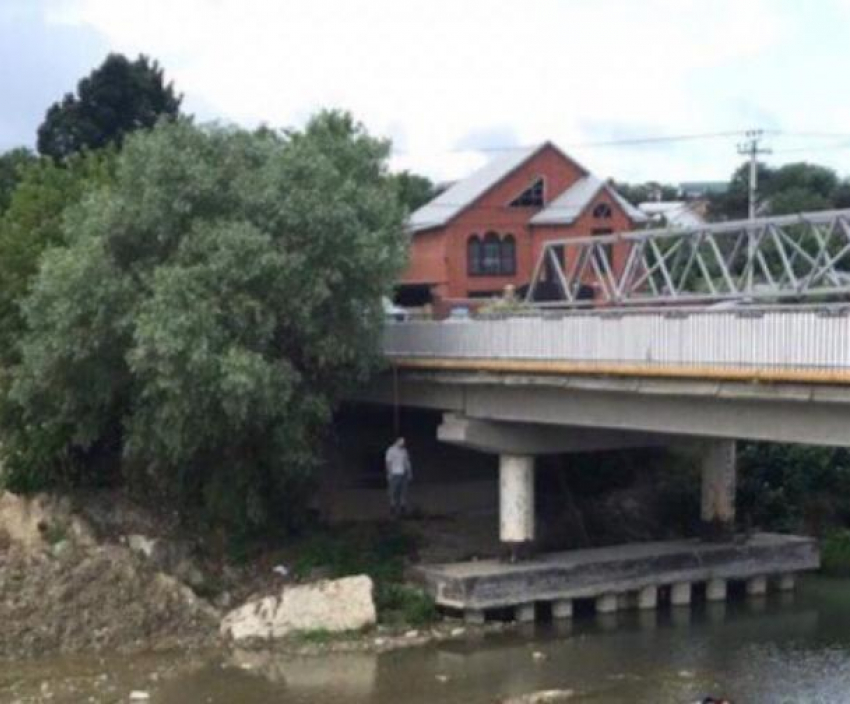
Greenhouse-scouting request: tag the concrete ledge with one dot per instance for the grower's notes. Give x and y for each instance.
(489, 584)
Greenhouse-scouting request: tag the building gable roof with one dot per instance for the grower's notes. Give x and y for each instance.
(568, 206)
(463, 193)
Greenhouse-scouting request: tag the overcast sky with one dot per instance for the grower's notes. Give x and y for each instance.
(445, 78)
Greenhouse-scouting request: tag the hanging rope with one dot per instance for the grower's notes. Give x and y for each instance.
(396, 404)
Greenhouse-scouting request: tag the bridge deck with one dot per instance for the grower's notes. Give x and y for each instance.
(619, 570)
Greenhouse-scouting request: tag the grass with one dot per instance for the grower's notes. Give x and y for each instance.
(835, 554)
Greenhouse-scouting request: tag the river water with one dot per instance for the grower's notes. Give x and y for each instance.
(787, 648)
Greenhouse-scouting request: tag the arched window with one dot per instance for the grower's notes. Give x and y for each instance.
(508, 256)
(602, 211)
(491, 261)
(473, 255)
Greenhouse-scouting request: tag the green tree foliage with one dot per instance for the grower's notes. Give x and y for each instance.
(212, 305)
(12, 164)
(414, 190)
(637, 193)
(32, 222)
(794, 487)
(791, 188)
(118, 97)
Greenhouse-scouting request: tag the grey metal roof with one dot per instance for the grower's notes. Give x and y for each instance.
(567, 207)
(676, 213)
(464, 192)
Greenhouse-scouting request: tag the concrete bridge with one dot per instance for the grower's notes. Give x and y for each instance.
(558, 382)
(689, 338)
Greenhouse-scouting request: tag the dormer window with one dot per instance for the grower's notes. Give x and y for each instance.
(602, 211)
(531, 197)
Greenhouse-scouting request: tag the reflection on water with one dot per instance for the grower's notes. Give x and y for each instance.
(781, 649)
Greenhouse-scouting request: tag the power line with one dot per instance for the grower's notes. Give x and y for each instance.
(660, 139)
(632, 141)
(819, 148)
(823, 135)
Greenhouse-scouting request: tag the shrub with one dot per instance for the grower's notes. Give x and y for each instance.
(835, 554)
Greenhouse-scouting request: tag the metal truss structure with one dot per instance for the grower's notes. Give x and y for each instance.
(805, 257)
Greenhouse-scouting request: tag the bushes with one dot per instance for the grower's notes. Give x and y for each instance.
(793, 488)
(835, 554)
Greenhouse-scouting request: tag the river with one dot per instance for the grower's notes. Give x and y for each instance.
(788, 648)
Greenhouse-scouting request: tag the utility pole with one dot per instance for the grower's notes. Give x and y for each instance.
(751, 149)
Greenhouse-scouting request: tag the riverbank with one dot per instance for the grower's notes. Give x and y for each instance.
(784, 648)
(97, 574)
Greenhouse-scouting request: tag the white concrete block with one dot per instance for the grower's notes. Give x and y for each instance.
(680, 594)
(606, 604)
(715, 590)
(525, 613)
(647, 598)
(562, 609)
(757, 586)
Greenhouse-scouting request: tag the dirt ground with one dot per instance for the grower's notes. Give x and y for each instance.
(63, 591)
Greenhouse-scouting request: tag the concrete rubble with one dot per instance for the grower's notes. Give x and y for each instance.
(330, 605)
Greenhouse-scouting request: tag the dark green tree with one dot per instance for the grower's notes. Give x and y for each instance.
(118, 97)
(791, 188)
(32, 222)
(414, 190)
(213, 304)
(637, 193)
(12, 164)
(841, 197)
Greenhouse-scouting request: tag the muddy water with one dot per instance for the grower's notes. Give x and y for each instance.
(793, 649)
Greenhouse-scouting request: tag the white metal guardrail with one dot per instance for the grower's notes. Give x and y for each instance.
(789, 338)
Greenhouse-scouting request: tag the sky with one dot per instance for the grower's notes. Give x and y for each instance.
(449, 80)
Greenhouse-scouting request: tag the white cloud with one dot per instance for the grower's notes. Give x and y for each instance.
(430, 73)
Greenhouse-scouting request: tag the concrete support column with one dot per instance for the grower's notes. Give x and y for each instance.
(516, 502)
(525, 613)
(715, 590)
(718, 489)
(474, 617)
(786, 582)
(648, 598)
(680, 594)
(757, 586)
(606, 604)
(562, 609)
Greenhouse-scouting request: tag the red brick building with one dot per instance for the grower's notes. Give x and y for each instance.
(487, 230)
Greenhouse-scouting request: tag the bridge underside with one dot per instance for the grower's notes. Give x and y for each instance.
(788, 413)
(522, 416)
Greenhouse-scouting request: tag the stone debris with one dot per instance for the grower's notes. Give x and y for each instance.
(330, 605)
(542, 697)
(62, 592)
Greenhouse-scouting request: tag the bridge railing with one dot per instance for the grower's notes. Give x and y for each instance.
(745, 341)
(801, 257)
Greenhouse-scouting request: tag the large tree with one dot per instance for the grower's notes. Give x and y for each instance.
(12, 165)
(33, 221)
(414, 190)
(118, 97)
(790, 188)
(212, 306)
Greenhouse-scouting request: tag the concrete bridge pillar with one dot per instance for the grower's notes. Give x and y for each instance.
(516, 502)
(718, 489)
